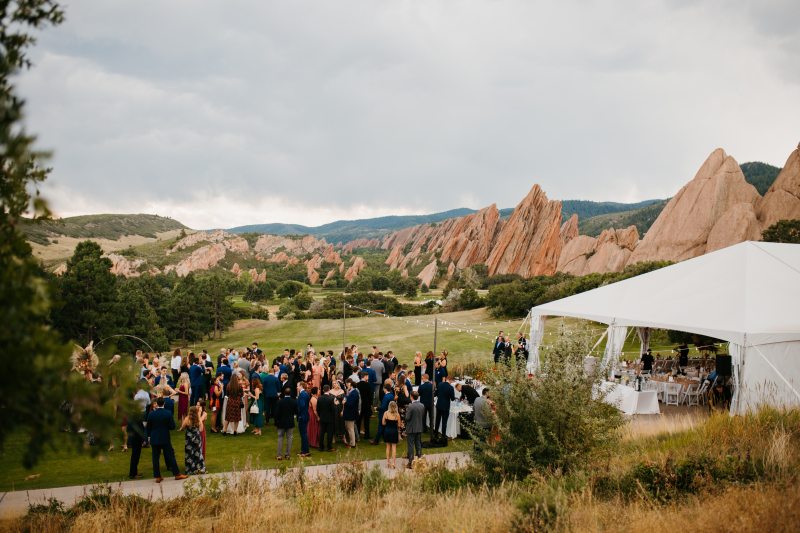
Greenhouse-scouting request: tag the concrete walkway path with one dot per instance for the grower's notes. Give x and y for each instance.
(15, 504)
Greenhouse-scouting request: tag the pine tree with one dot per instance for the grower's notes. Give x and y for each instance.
(217, 306)
(137, 318)
(89, 294)
(186, 316)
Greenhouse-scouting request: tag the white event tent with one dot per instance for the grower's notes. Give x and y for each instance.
(747, 294)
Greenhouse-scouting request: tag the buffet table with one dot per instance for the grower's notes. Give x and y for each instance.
(629, 401)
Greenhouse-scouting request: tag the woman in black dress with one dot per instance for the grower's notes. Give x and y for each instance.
(429, 365)
(391, 419)
(403, 398)
(418, 369)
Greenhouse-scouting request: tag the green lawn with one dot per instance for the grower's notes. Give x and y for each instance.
(404, 337)
(65, 467)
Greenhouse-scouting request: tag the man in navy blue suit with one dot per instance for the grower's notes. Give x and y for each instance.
(388, 398)
(445, 393)
(164, 374)
(226, 372)
(426, 399)
(303, 402)
(499, 346)
(159, 423)
(272, 386)
(197, 381)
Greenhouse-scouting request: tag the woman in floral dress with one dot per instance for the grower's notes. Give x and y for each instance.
(194, 462)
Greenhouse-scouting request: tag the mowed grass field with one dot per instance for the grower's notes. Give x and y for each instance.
(65, 466)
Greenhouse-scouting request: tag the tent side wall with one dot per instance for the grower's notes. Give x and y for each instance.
(763, 384)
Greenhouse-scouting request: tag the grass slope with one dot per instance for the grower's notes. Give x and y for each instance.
(111, 227)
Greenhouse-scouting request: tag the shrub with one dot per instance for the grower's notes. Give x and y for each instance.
(289, 289)
(315, 306)
(303, 301)
(290, 316)
(211, 486)
(424, 289)
(449, 287)
(452, 301)
(285, 309)
(554, 420)
(411, 290)
(546, 509)
(783, 231)
(469, 299)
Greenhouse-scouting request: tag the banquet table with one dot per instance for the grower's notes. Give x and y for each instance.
(453, 423)
(630, 401)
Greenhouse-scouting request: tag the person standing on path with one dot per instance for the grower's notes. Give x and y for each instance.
(303, 403)
(284, 422)
(159, 423)
(415, 413)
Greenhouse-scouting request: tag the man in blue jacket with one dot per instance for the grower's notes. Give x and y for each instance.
(426, 399)
(350, 413)
(169, 403)
(159, 423)
(284, 422)
(164, 376)
(271, 385)
(388, 398)
(197, 382)
(499, 346)
(303, 401)
(226, 372)
(445, 393)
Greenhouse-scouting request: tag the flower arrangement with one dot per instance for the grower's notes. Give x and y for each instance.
(84, 360)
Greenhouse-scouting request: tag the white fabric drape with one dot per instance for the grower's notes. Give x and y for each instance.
(616, 338)
(644, 337)
(536, 336)
(737, 360)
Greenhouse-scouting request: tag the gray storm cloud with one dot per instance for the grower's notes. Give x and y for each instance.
(227, 113)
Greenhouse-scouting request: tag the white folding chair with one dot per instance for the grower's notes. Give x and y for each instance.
(690, 389)
(698, 395)
(672, 393)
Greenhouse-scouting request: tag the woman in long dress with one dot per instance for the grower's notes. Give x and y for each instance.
(316, 374)
(403, 398)
(183, 396)
(195, 460)
(338, 395)
(313, 419)
(233, 407)
(201, 409)
(418, 369)
(257, 419)
(216, 402)
(429, 362)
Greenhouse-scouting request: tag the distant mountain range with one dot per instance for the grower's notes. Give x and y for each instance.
(593, 217)
(348, 230)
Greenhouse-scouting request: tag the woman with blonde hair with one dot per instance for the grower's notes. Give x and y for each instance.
(194, 461)
(391, 419)
(183, 396)
(418, 369)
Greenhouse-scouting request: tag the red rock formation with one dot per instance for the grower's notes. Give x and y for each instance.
(575, 254)
(312, 264)
(280, 257)
(607, 253)
(236, 269)
(404, 274)
(62, 268)
(353, 271)
(292, 261)
(683, 228)
(529, 243)
(569, 230)
(239, 245)
(782, 201)
(201, 259)
(333, 257)
(268, 244)
(428, 273)
(122, 267)
(328, 250)
(451, 270)
(200, 236)
(470, 239)
(395, 257)
(329, 276)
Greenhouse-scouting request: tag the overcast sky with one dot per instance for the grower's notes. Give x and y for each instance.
(227, 113)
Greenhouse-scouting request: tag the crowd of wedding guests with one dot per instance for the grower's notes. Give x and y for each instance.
(331, 399)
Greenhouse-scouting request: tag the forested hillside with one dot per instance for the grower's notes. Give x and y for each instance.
(760, 175)
(111, 227)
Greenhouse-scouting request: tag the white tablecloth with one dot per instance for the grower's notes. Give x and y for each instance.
(242, 426)
(631, 402)
(453, 424)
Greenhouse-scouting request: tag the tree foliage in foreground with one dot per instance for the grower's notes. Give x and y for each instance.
(51, 397)
(783, 231)
(555, 420)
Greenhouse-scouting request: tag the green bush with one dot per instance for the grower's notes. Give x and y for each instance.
(303, 301)
(555, 420)
(291, 288)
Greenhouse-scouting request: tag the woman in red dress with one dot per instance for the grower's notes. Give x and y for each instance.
(216, 402)
(313, 419)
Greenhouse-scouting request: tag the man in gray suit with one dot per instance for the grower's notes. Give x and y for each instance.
(415, 414)
(482, 408)
(379, 369)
